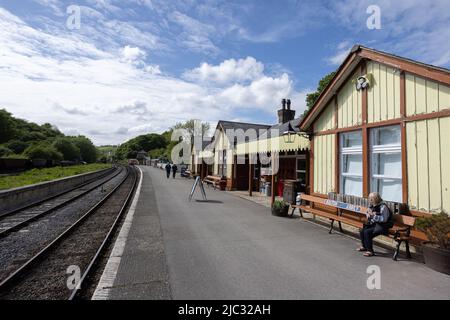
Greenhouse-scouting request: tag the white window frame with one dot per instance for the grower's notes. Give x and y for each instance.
(393, 148)
(357, 150)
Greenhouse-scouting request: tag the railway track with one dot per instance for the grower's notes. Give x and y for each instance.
(35, 203)
(19, 218)
(48, 274)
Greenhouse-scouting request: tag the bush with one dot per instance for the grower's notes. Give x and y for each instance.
(4, 151)
(43, 151)
(17, 146)
(279, 204)
(88, 152)
(436, 227)
(69, 150)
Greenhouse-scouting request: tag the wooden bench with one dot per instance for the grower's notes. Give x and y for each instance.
(354, 215)
(213, 180)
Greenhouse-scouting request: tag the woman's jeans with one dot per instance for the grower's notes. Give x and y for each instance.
(368, 232)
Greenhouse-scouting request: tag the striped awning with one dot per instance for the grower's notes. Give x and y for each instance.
(275, 144)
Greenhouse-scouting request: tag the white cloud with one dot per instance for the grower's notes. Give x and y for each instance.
(342, 51)
(197, 36)
(133, 54)
(264, 92)
(228, 71)
(81, 88)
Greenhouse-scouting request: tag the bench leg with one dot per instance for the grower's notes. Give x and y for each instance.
(301, 212)
(292, 213)
(331, 227)
(397, 250)
(408, 253)
(340, 226)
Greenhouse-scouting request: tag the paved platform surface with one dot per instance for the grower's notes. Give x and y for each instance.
(231, 248)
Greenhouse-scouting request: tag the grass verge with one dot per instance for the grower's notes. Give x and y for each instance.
(47, 174)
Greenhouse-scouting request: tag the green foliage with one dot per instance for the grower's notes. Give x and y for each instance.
(47, 174)
(106, 153)
(16, 156)
(436, 227)
(69, 150)
(147, 142)
(17, 146)
(43, 151)
(279, 204)
(311, 98)
(6, 126)
(4, 151)
(88, 152)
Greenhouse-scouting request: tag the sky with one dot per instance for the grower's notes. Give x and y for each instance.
(114, 69)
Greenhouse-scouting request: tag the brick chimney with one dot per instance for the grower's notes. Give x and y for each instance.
(285, 114)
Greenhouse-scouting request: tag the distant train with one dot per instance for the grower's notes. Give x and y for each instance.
(132, 162)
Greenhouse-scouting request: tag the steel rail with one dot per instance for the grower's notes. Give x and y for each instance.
(20, 225)
(18, 273)
(107, 238)
(38, 202)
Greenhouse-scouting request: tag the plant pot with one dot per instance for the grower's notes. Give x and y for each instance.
(282, 212)
(223, 185)
(436, 258)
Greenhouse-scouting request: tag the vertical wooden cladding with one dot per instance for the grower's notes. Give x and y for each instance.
(349, 104)
(428, 170)
(383, 96)
(326, 120)
(324, 163)
(425, 96)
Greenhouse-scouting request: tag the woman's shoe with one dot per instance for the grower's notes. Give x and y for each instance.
(369, 254)
(361, 249)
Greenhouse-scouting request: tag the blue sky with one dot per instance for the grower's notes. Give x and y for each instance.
(140, 66)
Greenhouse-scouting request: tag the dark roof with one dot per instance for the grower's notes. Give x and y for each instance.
(282, 127)
(241, 125)
(206, 141)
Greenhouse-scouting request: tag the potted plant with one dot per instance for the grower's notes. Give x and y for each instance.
(436, 251)
(280, 208)
(223, 183)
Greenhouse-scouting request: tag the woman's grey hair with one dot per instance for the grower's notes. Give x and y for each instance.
(376, 197)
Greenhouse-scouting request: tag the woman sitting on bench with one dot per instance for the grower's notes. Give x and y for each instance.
(379, 221)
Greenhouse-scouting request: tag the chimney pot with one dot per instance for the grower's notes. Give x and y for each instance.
(288, 101)
(283, 103)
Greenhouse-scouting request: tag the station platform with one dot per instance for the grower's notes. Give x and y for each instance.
(232, 248)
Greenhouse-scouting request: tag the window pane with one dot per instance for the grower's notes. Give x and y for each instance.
(386, 163)
(352, 163)
(352, 186)
(389, 164)
(386, 135)
(390, 190)
(351, 139)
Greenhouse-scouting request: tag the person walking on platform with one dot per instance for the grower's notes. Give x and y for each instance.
(168, 167)
(174, 170)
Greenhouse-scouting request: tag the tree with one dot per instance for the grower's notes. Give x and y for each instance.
(69, 150)
(6, 126)
(4, 152)
(311, 98)
(190, 127)
(17, 146)
(43, 151)
(88, 152)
